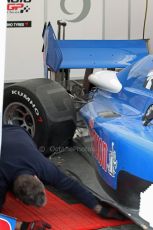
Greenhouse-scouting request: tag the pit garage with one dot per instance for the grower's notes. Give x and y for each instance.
(78, 78)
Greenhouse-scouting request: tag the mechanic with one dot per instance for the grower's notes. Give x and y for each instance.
(25, 171)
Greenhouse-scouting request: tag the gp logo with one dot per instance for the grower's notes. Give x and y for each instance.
(7, 223)
(18, 6)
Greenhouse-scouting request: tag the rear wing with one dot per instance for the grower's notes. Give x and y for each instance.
(80, 54)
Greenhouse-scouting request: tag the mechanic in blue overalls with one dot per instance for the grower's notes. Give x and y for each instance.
(25, 171)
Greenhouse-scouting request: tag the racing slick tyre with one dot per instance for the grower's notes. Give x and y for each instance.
(44, 108)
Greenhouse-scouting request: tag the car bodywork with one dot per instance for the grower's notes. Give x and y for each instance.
(122, 141)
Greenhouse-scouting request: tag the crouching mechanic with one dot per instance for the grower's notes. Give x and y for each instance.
(25, 171)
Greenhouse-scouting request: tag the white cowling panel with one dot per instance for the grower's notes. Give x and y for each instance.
(106, 80)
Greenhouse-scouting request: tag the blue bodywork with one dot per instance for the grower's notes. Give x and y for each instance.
(80, 54)
(120, 140)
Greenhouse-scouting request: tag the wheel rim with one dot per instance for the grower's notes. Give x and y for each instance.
(18, 114)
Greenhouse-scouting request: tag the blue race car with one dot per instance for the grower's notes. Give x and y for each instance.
(119, 118)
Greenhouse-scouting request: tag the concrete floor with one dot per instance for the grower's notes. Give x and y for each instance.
(124, 227)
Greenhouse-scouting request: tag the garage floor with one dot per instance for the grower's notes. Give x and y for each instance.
(64, 161)
(124, 227)
(69, 199)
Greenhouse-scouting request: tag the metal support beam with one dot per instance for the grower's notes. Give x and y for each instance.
(104, 17)
(45, 10)
(129, 19)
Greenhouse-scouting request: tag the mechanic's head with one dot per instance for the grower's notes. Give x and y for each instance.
(30, 190)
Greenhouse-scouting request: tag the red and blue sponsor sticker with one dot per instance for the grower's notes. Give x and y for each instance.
(7, 223)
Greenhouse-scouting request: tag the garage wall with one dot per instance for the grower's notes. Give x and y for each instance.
(24, 44)
(116, 19)
(90, 27)
(86, 19)
(108, 19)
(118, 16)
(149, 27)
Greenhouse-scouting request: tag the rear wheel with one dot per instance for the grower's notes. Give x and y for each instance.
(19, 114)
(44, 109)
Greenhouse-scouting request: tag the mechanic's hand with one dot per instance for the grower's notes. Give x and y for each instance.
(35, 225)
(111, 213)
(108, 212)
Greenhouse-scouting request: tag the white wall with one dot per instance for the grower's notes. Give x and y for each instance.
(89, 28)
(104, 21)
(23, 50)
(149, 28)
(116, 19)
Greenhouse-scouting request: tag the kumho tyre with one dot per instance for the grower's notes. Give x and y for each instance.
(44, 109)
